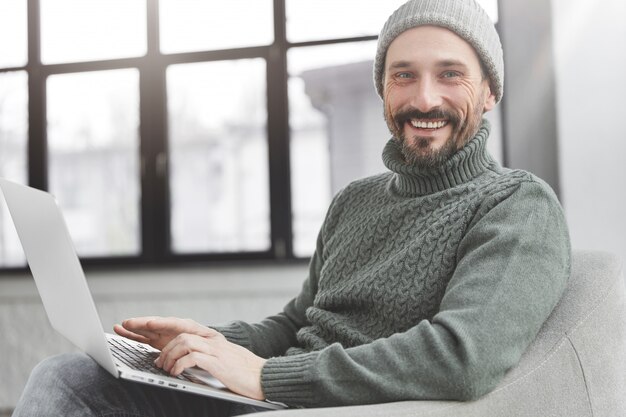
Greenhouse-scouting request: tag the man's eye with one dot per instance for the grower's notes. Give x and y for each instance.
(403, 75)
(450, 74)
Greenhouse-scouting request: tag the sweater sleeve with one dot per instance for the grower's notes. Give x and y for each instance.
(275, 334)
(512, 268)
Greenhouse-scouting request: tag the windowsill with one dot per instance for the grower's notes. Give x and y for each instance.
(171, 282)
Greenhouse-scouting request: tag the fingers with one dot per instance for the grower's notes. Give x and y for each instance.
(138, 322)
(139, 329)
(183, 352)
(139, 326)
(178, 326)
(159, 331)
(234, 366)
(120, 330)
(202, 360)
(170, 325)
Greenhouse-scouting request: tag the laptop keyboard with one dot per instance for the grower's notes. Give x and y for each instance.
(137, 357)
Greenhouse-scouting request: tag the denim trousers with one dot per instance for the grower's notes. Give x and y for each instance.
(73, 385)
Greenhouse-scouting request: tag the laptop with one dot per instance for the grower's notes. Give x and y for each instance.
(70, 307)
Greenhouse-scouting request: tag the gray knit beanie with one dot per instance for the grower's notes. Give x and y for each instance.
(464, 17)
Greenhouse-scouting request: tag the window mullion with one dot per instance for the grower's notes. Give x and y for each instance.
(153, 147)
(278, 136)
(37, 149)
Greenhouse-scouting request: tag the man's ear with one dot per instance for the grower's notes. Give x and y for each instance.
(490, 101)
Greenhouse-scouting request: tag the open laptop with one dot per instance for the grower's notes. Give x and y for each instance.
(69, 305)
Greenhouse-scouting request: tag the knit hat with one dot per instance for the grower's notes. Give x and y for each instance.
(464, 17)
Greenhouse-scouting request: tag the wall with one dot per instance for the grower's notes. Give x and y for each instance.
(214, 295)
(591, 89)
(530, 126)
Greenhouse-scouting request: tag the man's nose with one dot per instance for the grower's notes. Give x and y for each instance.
(426, 95)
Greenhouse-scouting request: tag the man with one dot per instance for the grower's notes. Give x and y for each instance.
(428, 281)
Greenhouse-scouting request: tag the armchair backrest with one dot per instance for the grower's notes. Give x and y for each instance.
(582, 344)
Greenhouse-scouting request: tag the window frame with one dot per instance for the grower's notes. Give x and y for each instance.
(153, 136)
(154, 182)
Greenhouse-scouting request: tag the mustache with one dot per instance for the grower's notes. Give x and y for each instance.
(402, 116)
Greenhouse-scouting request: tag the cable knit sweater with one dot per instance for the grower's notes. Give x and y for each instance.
(424, 285)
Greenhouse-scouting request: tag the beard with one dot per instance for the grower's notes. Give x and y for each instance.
(419, 151)
(426, 157)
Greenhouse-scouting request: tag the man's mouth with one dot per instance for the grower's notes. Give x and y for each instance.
(428, 124)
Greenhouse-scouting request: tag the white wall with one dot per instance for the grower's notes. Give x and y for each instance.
(591, 103)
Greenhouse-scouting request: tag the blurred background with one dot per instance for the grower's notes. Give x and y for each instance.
(194, 145)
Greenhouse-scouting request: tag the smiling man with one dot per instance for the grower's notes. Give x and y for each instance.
(428, 282)
(435, 93)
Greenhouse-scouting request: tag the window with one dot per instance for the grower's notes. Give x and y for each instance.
(13, 117)
(93, 158)
(337, 129)
(335, 19)
(179, 130)
(218, 164)
(192, 25)
(13, 154)
(13, 26)
(76, 30)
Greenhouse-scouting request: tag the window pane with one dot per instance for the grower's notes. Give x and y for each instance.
(78, 30)
(192, 25)
(13, 53)
(329, 152)
(13, 153)
(93, 141)
(327, 19)
(219, 184)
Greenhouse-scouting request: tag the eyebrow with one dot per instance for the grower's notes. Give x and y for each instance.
(451, 63)
(399, 64)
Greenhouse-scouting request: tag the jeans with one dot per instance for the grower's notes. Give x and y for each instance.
(73, 385)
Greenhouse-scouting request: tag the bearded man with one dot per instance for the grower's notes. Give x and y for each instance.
(428, 281)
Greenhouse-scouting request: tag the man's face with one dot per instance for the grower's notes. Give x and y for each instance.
(435, 94)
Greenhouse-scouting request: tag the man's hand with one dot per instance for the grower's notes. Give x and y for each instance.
(159, 331)
(234, 366)
(184, 344)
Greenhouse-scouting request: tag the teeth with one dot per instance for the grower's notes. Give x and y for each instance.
(428, 125)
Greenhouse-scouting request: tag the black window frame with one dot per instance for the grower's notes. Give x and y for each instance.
(152, 67)
(155, 216)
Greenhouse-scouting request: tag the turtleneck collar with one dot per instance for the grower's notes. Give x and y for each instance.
(467, 163)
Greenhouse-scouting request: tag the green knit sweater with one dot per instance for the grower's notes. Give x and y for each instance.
(424, 285)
